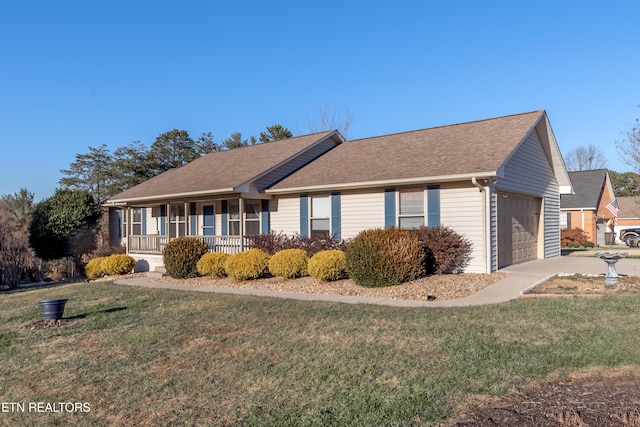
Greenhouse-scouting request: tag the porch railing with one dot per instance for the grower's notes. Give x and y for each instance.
(155, 243)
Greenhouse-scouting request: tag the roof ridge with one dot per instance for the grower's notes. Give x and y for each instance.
(449, 125)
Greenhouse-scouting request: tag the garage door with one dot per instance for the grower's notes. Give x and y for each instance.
(518, 222)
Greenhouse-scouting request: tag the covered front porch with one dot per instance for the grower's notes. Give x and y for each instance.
(225, 225)
(154, 244)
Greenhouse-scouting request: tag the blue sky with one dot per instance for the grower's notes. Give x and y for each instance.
(76, 74)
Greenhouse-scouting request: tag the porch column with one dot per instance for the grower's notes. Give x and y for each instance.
(241, 215)
(187, 219)
(127, 227)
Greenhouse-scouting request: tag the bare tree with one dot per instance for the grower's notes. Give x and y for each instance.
(585, 158)
(629, 147)
(329, 120)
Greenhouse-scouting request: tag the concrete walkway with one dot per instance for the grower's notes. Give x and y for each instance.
(521, 277)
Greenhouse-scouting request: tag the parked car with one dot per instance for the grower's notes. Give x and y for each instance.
(629, 233)
(633, 242)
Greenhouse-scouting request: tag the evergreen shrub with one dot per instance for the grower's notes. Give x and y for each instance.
(250, 264)
(212, 264)
(95, 268)
(328, 265)
(289, 263)
(115, 265)
(181, 256)
(384, 257)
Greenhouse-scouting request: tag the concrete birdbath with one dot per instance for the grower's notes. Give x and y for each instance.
(612, 275)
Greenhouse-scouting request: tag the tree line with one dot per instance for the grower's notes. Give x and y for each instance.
(104, 174)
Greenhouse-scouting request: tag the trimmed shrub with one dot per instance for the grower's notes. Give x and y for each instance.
(273, 243)
(328, 265)
(212, 264)
(572, 235)
(384, 257)
(588, 244)
(446, 252)
(95, 268)
(181, 256)
(118, 264)
(250, 264)
(289, 263)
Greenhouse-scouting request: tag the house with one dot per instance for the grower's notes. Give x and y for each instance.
(496, 181)
(587, 207)
(628, 214)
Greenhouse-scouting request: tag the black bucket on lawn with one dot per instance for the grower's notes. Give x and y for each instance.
(52, 309)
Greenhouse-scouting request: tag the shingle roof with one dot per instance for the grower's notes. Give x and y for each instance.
(467, 148)
(587, 186)
(629, 207)
(223, 170)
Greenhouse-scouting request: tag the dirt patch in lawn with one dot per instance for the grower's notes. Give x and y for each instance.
(593, 397)
(44, 324)
(587, 285)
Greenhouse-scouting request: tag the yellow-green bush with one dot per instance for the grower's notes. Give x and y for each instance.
(250, 264)
(289, 263)
(384, 257)
(118, 264)
(95, 268)
(328, 265)
(212, 264)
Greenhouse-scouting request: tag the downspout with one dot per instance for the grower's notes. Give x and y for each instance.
(487, 227)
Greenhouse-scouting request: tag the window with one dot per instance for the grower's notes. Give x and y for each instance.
(234, 218)
(252, 218)
(411, 209)
(124, 232)
(177, 221)
(565, 220)
(136, 221)
(320, 216)
(208, 224)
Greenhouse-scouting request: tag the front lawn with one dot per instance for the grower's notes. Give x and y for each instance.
(158, 357)
(590, 252)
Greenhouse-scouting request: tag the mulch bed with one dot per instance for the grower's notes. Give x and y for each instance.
(595, 397)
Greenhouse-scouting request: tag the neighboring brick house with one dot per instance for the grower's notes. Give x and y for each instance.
(628, 215)
(587, 207)
(497, 182)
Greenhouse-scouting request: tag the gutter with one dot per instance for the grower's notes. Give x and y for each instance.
(487, 228)
(383, 183)
(163, 197)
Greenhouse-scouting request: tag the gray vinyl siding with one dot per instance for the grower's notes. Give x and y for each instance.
(529, 172)
(294, 164)
(494, 230)
(115, 234)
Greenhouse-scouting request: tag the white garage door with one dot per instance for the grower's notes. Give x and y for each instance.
(518, 223)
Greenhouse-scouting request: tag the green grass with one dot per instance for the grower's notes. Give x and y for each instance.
(633, 253)
(159, 357)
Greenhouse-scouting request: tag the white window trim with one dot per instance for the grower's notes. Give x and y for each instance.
(134, 223)
(257, 220)
(310, 210)
(424, 205)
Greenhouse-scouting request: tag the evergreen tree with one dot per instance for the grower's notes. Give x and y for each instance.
(275, 133)
(65, 225)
